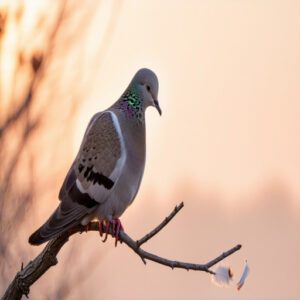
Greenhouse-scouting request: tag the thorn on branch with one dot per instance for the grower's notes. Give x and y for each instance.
(143, 260)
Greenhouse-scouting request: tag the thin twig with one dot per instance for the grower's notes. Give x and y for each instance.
(153, 232)
(47, 258)
(223, 255)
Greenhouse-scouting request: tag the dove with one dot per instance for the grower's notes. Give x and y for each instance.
(106, 174)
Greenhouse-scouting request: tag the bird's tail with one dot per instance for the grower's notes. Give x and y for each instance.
(63, 219)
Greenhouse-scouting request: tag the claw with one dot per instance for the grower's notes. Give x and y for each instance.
(116, 228)
(114, 224)
(100, 227)
(107, 225)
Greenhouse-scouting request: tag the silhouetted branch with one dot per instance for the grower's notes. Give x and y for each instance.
(47, 258)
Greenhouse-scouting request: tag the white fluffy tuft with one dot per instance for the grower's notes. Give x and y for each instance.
(223, 276)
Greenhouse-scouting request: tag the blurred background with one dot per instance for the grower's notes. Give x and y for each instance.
(227, 143)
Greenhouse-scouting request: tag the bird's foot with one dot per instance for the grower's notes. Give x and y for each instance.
(100, 224)
(101, 229)
(116, 228)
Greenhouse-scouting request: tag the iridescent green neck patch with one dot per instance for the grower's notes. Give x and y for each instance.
(132, 104)
(132, 98)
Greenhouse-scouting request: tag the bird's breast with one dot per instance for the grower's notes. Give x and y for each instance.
(128, 183)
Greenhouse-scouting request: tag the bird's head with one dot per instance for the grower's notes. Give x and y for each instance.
(146, 83)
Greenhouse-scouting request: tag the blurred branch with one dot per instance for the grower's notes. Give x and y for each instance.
(18, 112)
(37, 62)
(33, 56)
(47, 258)
(16, 156)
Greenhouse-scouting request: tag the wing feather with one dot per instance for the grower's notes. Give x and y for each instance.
(101, 157)
(90, 179)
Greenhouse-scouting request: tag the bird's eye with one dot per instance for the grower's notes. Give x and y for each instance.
(148, 88)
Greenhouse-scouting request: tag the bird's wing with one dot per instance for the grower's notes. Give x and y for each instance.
(91, 177)
(101, 157)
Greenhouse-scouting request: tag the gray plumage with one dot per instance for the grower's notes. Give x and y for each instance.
(107, 171)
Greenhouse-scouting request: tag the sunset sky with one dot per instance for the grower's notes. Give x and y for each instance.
(227, 143)
(229, 89)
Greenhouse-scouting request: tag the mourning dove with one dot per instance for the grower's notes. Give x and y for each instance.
(107, 171)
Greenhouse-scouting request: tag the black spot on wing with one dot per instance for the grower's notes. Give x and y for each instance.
(80, 168)
(82, 198)
(102, 180)
(96, 177)
(87, 171)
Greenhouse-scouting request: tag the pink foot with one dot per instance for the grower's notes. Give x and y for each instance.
(106, 225)
(100, 224)
(116, 228)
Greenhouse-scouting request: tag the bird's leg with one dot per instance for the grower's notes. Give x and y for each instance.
(107, 225)
(117, 227)
(100, 224)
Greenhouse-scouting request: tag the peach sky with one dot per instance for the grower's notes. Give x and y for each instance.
(227, 144)
(229, 89)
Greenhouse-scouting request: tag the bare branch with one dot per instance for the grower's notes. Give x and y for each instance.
(47, 258)
(153, 232)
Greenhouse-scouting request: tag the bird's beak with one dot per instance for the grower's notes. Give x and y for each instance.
(157, 107)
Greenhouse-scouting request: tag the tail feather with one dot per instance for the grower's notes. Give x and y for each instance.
(65, 217)
(45, 234)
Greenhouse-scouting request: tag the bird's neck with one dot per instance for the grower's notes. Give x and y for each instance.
(135, 132)
(131, 105)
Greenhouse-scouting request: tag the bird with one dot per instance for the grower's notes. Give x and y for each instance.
(106, 174)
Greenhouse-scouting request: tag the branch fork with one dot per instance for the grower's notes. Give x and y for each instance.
(47, 258)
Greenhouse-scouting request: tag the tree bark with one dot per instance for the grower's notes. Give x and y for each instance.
(47, 258)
